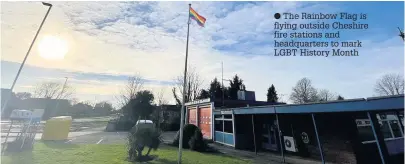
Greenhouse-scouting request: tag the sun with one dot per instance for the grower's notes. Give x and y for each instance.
(52, 47)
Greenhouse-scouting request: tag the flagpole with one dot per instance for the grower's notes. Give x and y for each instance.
(184, 92)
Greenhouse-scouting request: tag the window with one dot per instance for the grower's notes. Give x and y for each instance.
(228, 116)
(395, 129)
(223, 123)
(228, 128)
(218, 116)
(265, 139)
(365, 133)
(218, 125)
(401, 118)
(389, 126)
(385, 129)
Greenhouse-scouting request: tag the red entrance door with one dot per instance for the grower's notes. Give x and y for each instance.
(204, 121)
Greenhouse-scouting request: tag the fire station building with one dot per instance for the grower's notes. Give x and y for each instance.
(365, 130)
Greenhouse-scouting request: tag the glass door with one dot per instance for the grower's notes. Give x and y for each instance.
(269, 140)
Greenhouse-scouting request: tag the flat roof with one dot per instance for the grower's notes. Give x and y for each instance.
(219, 103)
(350, 105)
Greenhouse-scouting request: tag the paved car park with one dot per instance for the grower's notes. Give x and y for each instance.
(72, 135)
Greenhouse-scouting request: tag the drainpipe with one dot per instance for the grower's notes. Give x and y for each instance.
(317, 138)
(280, 135)
(233, 129)
(254, 135)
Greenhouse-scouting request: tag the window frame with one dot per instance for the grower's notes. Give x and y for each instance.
(223, 119)
(387, 120)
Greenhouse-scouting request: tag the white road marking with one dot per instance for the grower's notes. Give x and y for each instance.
(100, 140)
(70, 140)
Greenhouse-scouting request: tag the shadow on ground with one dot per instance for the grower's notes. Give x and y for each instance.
(154, 159)
(25, 157)
(208, 150)
(165, 161)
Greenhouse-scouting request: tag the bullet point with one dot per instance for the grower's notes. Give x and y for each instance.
(277, 15)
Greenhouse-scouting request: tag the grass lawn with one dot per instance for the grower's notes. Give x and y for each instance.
(51, 153)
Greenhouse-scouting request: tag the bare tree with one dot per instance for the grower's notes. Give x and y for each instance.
(326, 95)
(158, 112)
(281, 98)
(390, 84)
(90, 103)
(103, 108)
(303, 92)
(134, 84)
(339, 97)
(73, 101)
(23, 95)
(53, 90)
(160, 100)
(193, 87)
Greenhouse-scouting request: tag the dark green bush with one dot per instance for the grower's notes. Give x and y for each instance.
(192, 138)
(197, 142)
(188, 132)
(139, 139)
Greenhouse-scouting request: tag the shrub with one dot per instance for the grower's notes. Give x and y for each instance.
(188, 132)
(138, 139)
(124, 124)
(192, 138)
(197, 142)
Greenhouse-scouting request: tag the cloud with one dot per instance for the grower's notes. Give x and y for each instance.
(87, 86)
(149, 38)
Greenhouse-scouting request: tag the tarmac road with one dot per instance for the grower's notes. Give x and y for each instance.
(100, 138)
(86, 136)
(112, 138)
(72, 135)
(78, 124)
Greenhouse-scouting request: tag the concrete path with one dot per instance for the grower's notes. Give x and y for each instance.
(262, 157)
(100, 138)
(168, 137)
(94, 136)
(80, 124)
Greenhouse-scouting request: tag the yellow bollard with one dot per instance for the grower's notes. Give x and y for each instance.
(57, 128)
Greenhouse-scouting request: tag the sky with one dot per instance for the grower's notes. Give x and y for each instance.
(111, 41)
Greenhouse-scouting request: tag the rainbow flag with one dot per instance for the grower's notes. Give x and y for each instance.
(194, 15)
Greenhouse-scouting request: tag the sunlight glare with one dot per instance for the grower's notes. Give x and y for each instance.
(52, 47)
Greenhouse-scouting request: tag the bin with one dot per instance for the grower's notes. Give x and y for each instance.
(57, 128)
